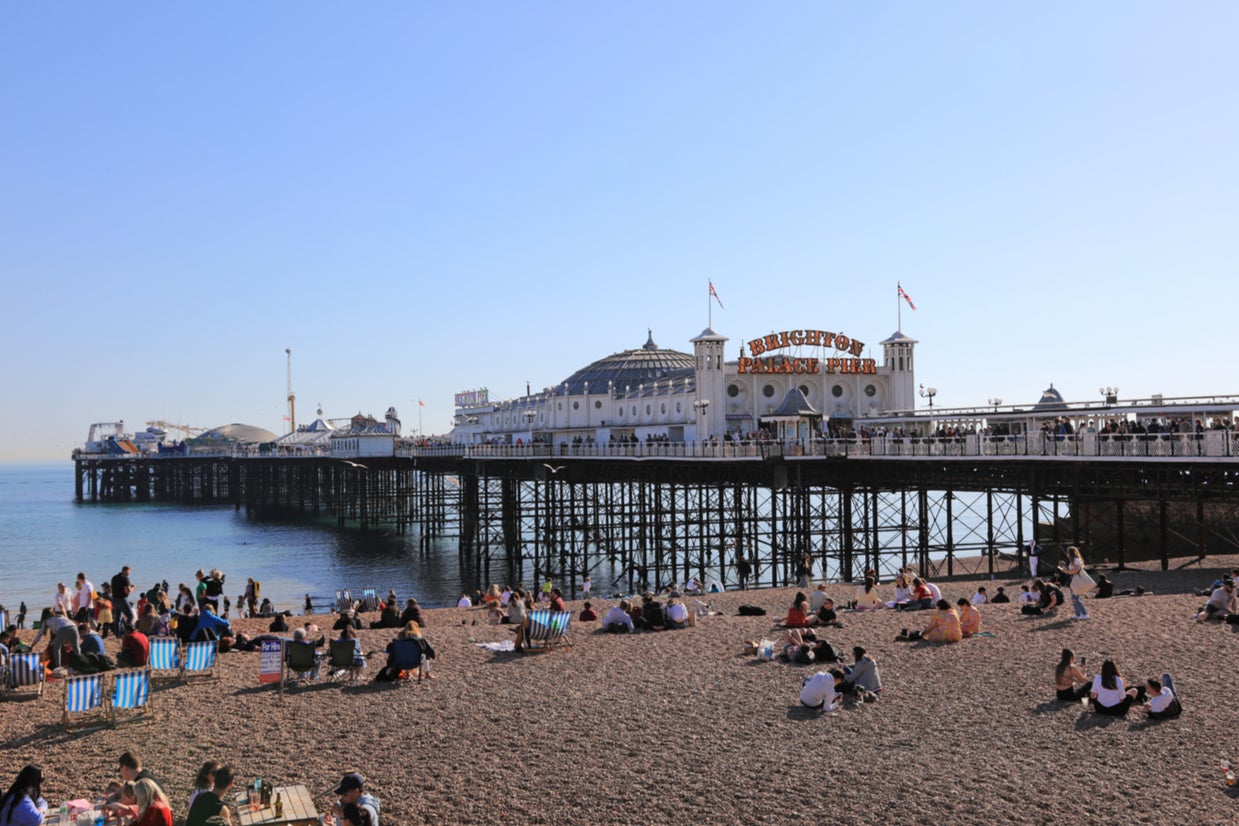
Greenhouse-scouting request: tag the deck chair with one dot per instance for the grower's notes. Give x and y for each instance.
(26, 672)
(548, 628)
(301, 663)
(369, 599)
(84, 698)
(199, 659)
(340, 660)
(344, 600)
(165, 660)
(131, 694)
(4, 619)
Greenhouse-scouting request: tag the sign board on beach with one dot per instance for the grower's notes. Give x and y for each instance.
(270, 661)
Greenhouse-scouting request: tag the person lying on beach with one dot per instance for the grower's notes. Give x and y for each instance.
(969, 618)
(1066, 676)
(819, 690)
(867, 595)
(797, 615)
(797, 647)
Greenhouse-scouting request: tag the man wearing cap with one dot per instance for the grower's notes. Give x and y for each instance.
(351, 790)
(1222, 602)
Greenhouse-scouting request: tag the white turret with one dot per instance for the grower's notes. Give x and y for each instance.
(897, 364)
(711, 384)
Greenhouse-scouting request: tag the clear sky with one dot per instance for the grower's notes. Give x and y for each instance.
(421, 198)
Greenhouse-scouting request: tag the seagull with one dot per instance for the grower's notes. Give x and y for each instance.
(553, 469)
(354, 464)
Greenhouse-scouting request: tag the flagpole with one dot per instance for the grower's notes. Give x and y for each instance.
(419, 418)
(709, 308)
(898, 306)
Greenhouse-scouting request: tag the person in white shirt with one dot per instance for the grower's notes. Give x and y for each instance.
(617, 620)
(1162, 704)
(64, 601)
(464, 602)
(84, 599)
(934, 591)
(818, 597)
(1109, 693)
(1026, 596)
(980, 597)
(819, 691)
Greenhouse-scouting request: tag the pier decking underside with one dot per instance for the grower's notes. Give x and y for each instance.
(652, 522)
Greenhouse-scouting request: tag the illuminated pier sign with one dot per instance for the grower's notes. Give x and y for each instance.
(473, 398)
(756, 363)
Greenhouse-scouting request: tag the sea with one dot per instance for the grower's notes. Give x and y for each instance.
(46, 537)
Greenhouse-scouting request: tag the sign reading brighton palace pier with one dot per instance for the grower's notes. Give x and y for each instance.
(845, 362)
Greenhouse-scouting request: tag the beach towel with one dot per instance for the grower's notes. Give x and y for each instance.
(502, 645)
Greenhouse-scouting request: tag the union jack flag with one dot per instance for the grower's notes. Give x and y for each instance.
(906, 297)
(715, 294)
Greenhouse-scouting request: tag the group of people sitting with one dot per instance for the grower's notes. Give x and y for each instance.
(651, 615)
(1108, 694)
(140, 798)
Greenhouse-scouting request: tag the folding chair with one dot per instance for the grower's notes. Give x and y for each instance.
(4, 619)
(301, 662)
(548, 628)
(131, 693)
(406, 658)
(369, 599)
(200, 659)
(340, 661)
(165, 660)
(26, 671)
(84, 697)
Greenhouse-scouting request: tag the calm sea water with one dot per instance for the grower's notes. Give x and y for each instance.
(45, 538)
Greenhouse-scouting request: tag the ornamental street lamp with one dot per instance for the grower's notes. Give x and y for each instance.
(1111, 394)
(995, 402)
(929, 393)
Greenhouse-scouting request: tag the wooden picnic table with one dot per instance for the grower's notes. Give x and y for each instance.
(298, 808)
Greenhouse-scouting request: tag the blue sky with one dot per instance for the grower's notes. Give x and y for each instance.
(424, 198)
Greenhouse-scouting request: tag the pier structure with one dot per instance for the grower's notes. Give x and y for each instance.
(653, 520)
(657, 465)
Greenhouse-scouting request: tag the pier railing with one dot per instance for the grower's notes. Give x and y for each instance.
(1207, 444)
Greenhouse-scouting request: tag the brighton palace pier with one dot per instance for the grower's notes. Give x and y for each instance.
(669, 463)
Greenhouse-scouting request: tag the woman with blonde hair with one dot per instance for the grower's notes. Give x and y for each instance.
(1077, 580)
(944, 627)
(153, 807)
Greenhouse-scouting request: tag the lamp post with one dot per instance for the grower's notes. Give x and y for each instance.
(995, 402)
(1111, 395)
(929, 393)
(702, 405)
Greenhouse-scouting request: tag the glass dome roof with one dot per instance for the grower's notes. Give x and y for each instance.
(630, 368)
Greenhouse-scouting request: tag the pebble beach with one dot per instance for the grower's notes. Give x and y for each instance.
(682, 726)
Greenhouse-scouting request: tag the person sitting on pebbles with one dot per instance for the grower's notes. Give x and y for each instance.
(861, 679)
(798, 615)
(1222, 603)
(1066, 676)
(618, 618)
(1049, 597)
(1109, 695)
(943, 626)
(819, 691)
(867, 595)
(677, 614)
(969, 618)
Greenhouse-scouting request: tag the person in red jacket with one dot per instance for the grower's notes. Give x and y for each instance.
(135, 650)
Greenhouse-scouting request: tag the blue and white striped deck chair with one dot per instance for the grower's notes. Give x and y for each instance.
(26, 671)
(369, 599)
(165, 659)
(200, 659)
(131, 693)
(84, 698)
(344, 600)
(4, 619)
(549, 628)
